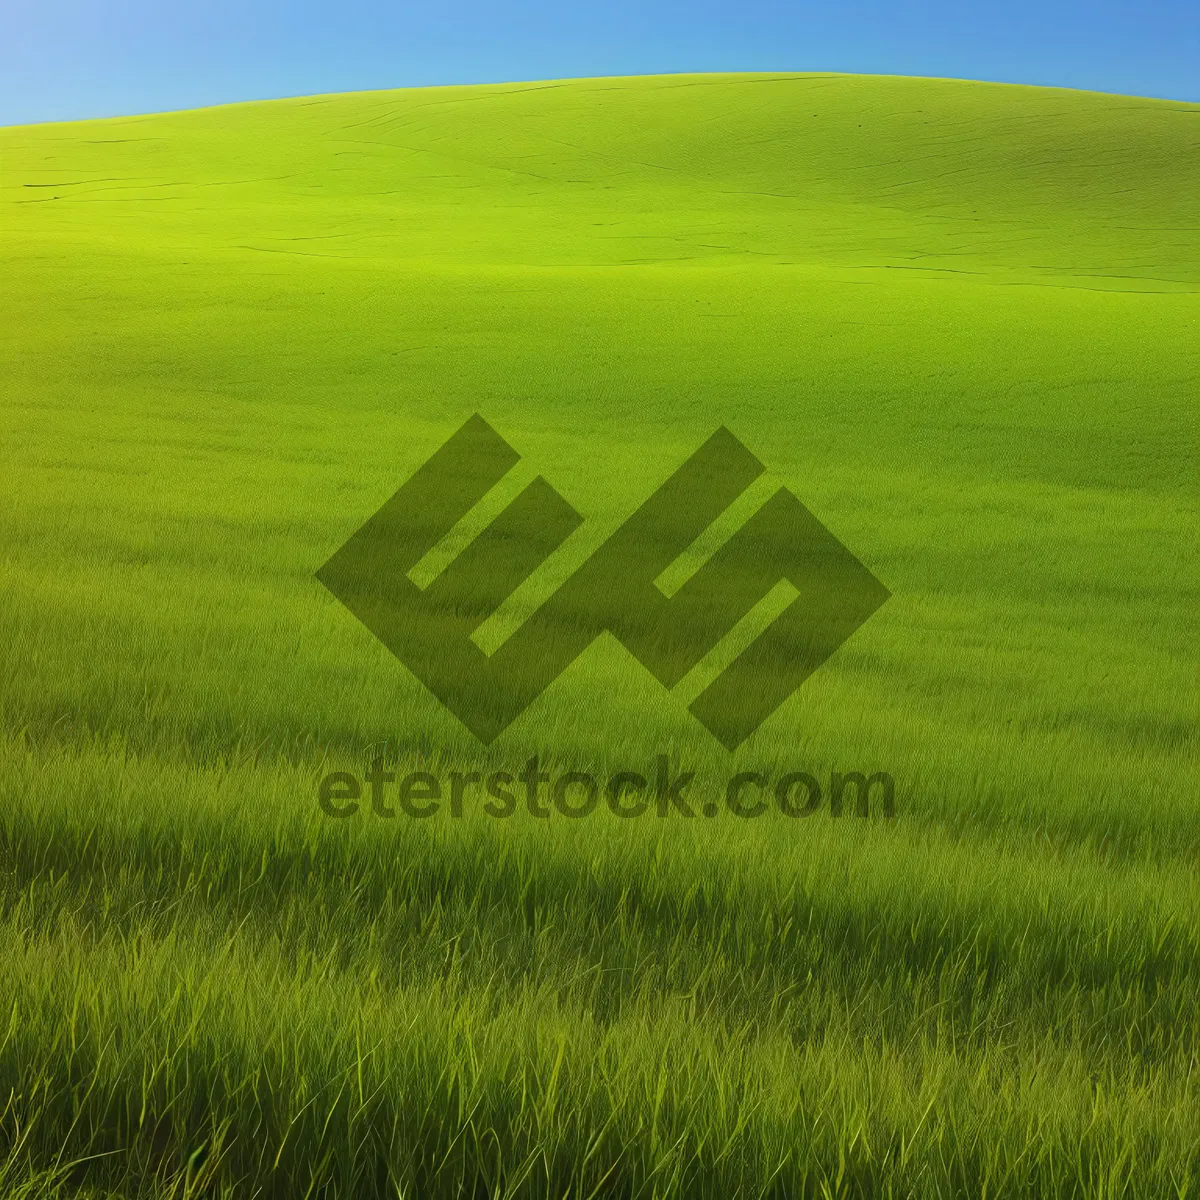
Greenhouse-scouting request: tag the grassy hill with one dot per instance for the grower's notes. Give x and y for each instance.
(958, 320)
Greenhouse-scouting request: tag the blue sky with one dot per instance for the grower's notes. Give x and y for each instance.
(62, 59)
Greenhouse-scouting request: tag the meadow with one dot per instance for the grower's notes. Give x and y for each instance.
(959, 321)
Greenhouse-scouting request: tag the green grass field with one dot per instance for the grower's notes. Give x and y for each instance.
(958, 320)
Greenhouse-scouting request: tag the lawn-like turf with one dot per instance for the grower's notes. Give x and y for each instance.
(958, 320)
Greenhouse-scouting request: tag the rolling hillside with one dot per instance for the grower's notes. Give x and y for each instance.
(958, 320)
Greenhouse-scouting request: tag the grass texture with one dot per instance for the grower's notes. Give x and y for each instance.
(958, 320)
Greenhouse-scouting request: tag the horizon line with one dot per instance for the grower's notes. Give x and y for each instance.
(529, 84)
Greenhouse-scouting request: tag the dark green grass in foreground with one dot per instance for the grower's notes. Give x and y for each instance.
(959, 321)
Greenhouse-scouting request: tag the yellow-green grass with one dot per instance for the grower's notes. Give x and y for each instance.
(958, 320)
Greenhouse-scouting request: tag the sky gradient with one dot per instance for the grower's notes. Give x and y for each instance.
(68, 59)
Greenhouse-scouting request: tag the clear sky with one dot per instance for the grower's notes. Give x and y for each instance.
(62, 59)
